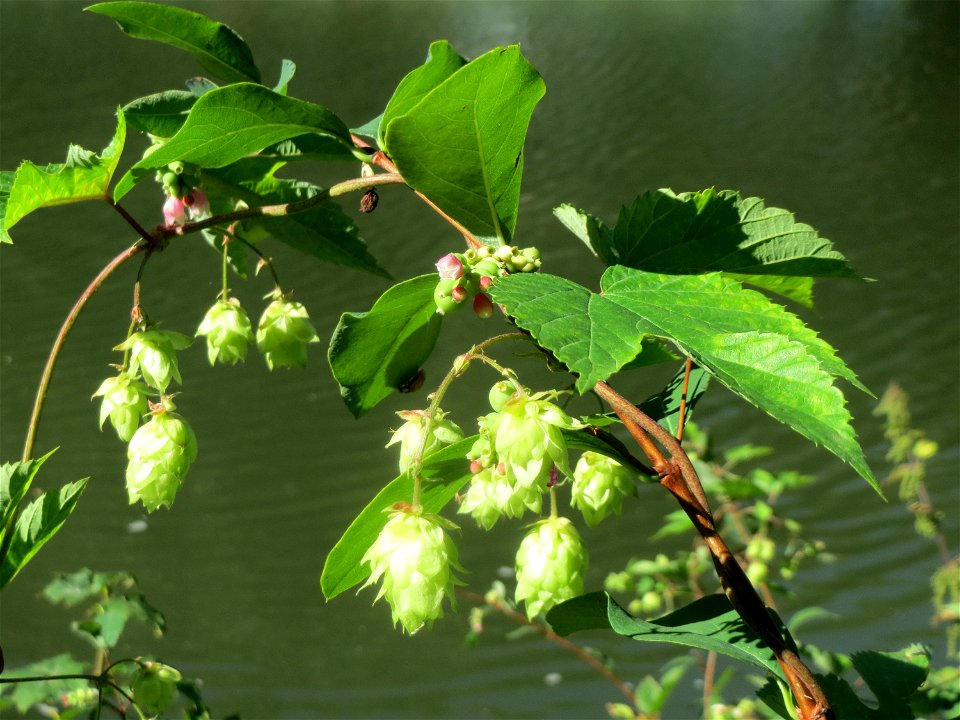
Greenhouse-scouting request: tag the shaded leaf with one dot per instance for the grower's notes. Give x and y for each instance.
(462, 144)
(161, 114)
(217, 47)
(664, 407)
(594, 234)
(374, 353)
(446, 471)
(83, 176)
(232, 122)
(27, 695)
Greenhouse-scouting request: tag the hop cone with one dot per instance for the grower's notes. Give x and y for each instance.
(159, 454)
(124, 402)
(492, 495)
(413, 555)
(283, 334)
(153, 353)
(410, 435)
(551, 563)
(599, 486)
(155, 686)
(228, 332)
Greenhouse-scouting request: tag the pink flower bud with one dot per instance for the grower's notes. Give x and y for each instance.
(174, 212)
(459, 294)
(197, 204)
(450, 267)
(476, 466)
(482, 306)
(485, 282)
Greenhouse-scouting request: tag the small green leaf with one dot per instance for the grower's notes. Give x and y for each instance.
(462, 144)
(15, 480)
(709, 623)
(217, 47)
(6, 183)
(288, 69)
(39, 522)
(442, 62)
(374, 353)
(594, 234)
(161, 114)
(232, 122)
(83, 176)
(664, 407)
(446, 471)
(27, 695)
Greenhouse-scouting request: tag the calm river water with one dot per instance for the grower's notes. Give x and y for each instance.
(846, 113)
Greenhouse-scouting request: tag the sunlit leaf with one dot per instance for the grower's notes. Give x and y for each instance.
(15, 480)
(594, 234)
(27, 695)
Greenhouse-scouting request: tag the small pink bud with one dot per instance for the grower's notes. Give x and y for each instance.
(459, 294)
(198, 205)
(482, 306)
(476, 466)
(501, 469)
(450, 267)
(174, 212)
(485, 282)
(554, 475)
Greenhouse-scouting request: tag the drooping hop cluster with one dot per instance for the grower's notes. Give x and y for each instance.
(410, 435)
(414, 557)
(520, 452)
(551, 563)
(153, 353)
(284, 332)
(124, 402)
(159, 455)
(228, 332)
(599, 485)
(467, 275)
(185, 201)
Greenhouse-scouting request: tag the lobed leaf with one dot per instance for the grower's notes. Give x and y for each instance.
(15, 480)
(446, 471)
(217, 47)
(461, 145)
(375, 353)
(83, 176)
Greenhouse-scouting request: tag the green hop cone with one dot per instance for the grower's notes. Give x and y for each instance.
(153, 353)
(410, 435)
(284, 332)
(159, 455)
(528, 439)
(599, 486)
(413, 555)
(124, 402)
(551, 563)
(154, 687)
(492, 495)
(228, 332)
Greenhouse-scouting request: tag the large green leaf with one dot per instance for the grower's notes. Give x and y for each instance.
(38, 522)
(462, 144)
(753, 346)
(709, 623)
(442, 62)
(83, 176)
(229, 123)
(15, 480)
(217, 47)
(374, 353)
(446, 471)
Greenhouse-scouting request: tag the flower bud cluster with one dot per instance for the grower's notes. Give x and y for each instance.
(184, 200)
(467, 275)
(551, 564)
(159, 454)
(284, 332)
(599, 485)
(410, 436)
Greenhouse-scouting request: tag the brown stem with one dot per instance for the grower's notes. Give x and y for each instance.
(679, 477)
(709, 673)
(682, 415)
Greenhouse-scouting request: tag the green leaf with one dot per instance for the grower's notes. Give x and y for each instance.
(83, 176)
(446, 471)
(462, 144)
(231, 122)
(161, 114)
(375, 353)
(442, 62)
(594, 234)
(288, 69)
(6, 183)
(39, 522)
(753, 346)
(893, 677)
(217, 47)
(709, 623)
(664, 407)
(15, 480)
(27, 695)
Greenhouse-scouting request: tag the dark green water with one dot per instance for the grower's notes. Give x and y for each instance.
(846, 113)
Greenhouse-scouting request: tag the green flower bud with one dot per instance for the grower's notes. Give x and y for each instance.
(500, 393)
(492, 495)
(410, 435)
(124, 402)
(159, 454)
(153, 353)
(413, 555)
(599, 486)
(228, 332)
(154, 687)
(284, 332)
(551, 563)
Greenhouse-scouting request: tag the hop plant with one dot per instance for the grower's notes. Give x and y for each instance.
(491, 495)
(413, 555)
(551, 563)
(284, 332)
(228, 332)
(159, 455)
(599, 486)
(410, 435)
(153, 353)
(155, 686)
(124, 402)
